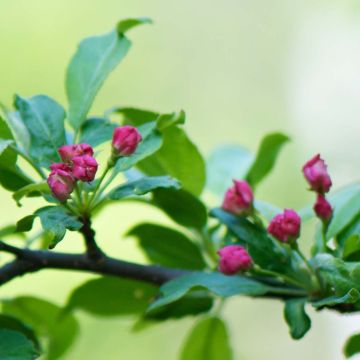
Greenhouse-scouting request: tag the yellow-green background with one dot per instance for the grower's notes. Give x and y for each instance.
(240, 68)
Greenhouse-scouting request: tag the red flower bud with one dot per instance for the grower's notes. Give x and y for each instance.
(239, 198)
(323, 208)
(286, 226)
(61, 181)
(315, 172)
(125, 140)
(234, 258)
(84, 167)
(68, 152)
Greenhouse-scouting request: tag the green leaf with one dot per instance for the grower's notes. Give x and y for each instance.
(44, 120)
(351, 250)
(56, 220)
(225, 164)
(215, 282)
(134, 116)
(168, 247)
(15, 346)
(262, 248)
(11, 323)
(296, 317)
(208, 340)
(125, 25)
(181, 206)
(352, 346)
(267, 210)
(13, 178)
(47, 320)
(266, 157)
(178, 157)
(95, 58)
(96, 131)
(351, 297)
(31, 190)
(151, 143)
(143, 186)
(346, 205)
(114, 296)
(194, 303)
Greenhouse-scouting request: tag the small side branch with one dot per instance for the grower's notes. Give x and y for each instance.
(92, 249)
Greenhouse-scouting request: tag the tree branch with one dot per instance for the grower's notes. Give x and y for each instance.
(92, 249)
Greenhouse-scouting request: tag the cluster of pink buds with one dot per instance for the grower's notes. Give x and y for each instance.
(286, 226)
(316, 174)
(78, 164)
(239, 198)
(234, 258)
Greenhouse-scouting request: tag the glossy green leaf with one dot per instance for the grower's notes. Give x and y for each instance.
(95, 58)
(15, 346)
(31, 190)
(127, 24)
(114, 296)
(215, 282)
(167, 247)
(225, 164)
(13, 179)
(47, 320)
(96, 131)
(10, 323)
(181, 206)
(208, 340)
(44, 120)
(151, 143)
(143, 186)
(352, 346)
(296, 317)
(346, 205)
(266, 157)
(265, 252)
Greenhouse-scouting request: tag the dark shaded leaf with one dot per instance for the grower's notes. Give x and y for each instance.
(352, 346)
(167, 247)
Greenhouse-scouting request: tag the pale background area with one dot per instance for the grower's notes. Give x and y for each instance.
(240, 68)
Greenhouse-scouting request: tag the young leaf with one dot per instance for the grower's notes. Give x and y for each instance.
(208, 340)
(44, 120)
(168, 247)
(346, 204)
(351, 250)
(95, 58)
(215, 282)
(31, 190)
(181, 206)
(96, 131)
(352, 346)
(47, 320)
(225, 164)
(143, 186)
(127, 24)
(114, 296)
(55, 220)
(296, 317)
(266, 157)
(15, 346)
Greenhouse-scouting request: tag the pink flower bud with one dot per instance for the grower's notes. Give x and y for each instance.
(323, 208)
(84, 167)
(239, 198)
(234, 258)
(61, 181)
(67, 152)
(286, 226)
(315, 172)
(125, 140)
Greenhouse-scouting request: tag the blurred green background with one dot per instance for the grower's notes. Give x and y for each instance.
(240, 68)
